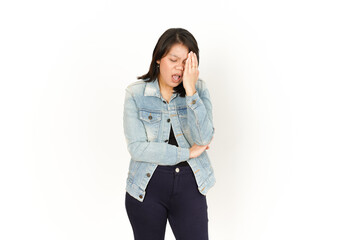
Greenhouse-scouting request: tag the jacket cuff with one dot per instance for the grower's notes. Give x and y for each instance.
(193, 101)
(183, 154)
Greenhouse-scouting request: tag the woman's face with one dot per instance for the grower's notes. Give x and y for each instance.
(172, 66)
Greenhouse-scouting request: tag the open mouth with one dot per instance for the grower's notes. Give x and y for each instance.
(176, 78)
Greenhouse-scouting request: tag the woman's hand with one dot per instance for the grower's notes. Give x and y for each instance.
(191, 74)
(197, 150)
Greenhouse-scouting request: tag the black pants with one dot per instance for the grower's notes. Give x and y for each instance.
(172, 194)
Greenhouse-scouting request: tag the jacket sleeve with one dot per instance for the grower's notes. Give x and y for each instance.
(139, 147)
(200, 119)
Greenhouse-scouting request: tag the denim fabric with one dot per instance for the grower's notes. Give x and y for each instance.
(147, 117)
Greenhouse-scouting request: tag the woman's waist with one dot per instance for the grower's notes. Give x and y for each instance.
(183, 167)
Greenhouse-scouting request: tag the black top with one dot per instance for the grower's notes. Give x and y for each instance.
(172, 141)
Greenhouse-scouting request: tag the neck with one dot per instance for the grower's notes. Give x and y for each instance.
(164, 89)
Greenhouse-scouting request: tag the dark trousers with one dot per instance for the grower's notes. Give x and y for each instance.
(172, 194)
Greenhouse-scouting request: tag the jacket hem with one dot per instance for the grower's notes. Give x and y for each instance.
(135, 191)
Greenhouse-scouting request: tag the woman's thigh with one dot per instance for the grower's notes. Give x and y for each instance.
(188, 216)
(148, 220)
(149, 217)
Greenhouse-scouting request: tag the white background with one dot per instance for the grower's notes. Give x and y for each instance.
(284, 81)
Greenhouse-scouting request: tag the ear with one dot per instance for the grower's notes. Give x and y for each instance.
(158, 61)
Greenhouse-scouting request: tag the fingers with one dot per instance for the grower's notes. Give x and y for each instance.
(191, 61)
(191, 71)
(195, 61)
(188, 62)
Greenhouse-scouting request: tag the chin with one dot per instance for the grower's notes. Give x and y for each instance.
(173, 84)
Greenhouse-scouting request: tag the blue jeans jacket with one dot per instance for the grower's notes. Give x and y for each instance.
(147, 117)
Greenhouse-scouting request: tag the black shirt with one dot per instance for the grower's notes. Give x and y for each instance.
(172, 141)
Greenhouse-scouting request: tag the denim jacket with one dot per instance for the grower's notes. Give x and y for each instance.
(147, 118)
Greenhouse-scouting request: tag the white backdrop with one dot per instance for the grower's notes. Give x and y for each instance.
(284, 82)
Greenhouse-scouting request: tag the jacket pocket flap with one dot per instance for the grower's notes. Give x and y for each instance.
(182, 112)
(150, 116)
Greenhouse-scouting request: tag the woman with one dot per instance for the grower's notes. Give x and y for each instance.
(168, 126)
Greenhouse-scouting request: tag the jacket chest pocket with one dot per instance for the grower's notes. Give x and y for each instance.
(151, 121)
(182, 113)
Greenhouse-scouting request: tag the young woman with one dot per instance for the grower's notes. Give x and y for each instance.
(168, 125)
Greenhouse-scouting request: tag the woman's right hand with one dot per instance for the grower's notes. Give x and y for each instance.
(197, 150)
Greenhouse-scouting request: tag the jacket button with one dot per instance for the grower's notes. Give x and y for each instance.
(193, 101)
(164, 101)
(166, 140)
(148, 174)
(168, 120)
(140, 196)
(150, 117)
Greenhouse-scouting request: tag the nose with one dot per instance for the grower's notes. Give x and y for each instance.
(180, 67)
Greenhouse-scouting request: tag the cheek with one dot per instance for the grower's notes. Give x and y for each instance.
(166, 68)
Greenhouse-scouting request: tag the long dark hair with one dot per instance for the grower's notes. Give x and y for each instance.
(163, 46)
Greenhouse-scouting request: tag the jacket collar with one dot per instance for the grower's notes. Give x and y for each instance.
(152, 89)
